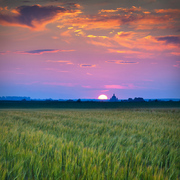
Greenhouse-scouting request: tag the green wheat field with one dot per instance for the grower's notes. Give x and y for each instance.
(140, 144)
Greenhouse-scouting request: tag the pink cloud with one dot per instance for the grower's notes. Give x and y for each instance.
(88, 87)
(64, 71)
(4, 52)
(105, 90)
(115, 87)
(177, 65)
(55, 70)
(127, 86)
(89, 74)
(175, 53)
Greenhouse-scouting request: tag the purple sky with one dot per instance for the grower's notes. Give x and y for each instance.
(83, 48)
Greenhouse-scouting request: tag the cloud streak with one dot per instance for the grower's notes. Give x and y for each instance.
(59, 84)
(121, 62)
(42, 51)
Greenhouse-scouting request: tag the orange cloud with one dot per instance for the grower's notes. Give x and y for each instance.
(70, 33)
(135, 43)
(152, 22)
(107, 11)
(55, 37)
(66, 33)
(141, 41)
(96, 22)
(92, 36)
(131, 53)
(167, 11)
(123, 51)
(36, 17)
(99, 40)
(122, 10)
(135, 17)
(98, 43)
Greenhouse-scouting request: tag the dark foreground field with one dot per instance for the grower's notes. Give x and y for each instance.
(87, 104)
(86, 144)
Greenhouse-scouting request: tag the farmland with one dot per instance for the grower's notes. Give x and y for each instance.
(90, 144)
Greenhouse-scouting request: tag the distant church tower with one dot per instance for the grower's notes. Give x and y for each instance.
(113, 98)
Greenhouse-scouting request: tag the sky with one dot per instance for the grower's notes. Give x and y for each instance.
(64, 49)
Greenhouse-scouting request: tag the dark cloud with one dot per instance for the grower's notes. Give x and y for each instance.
(39, 51)
(170, 39)
(87, 65)
(32, 16)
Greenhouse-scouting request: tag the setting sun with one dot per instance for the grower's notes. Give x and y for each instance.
(102, 96)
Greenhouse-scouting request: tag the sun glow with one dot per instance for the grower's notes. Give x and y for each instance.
(102, 96)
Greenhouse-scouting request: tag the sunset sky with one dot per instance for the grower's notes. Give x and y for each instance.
(83, 48)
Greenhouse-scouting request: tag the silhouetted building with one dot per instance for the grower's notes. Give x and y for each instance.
(113, 98)
(139, 99)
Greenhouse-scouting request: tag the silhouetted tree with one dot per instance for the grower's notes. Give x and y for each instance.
(79, 100)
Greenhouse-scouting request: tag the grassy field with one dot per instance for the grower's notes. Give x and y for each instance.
(90, 144)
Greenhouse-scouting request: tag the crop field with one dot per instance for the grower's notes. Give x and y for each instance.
(58, 144)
